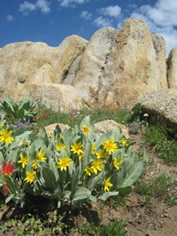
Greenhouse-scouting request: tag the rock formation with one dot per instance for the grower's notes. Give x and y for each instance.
(117, 67)
(111, 70)
(22, 64)
(172, 69)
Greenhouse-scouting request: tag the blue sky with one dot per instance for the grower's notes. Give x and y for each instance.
(50, 21)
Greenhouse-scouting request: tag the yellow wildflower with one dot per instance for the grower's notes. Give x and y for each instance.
(101, 154)
(63, 163)
(41, 156)
(93, 149)
(88, 170)
(81, 155)
(49, 134)
(30, 176)
(124, 142)
(86, 129)
(77, 148)
(110, 145)
(1, 125)
(59, 146)
(107, 184)
(5, 136)
(96, 165)
(117, 164)
(23, 160)
(34, 164)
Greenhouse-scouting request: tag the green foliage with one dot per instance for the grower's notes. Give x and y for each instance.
(30, 225)
(58, 169)
(161, 186)
(18, 110)
(46, 116)
(136, 113)
(154, 134)
(167, 149)
(111, 229)
(159, 137)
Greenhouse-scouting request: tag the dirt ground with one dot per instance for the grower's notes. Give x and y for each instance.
(155, 218)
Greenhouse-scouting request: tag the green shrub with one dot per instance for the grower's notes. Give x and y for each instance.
(19, 110)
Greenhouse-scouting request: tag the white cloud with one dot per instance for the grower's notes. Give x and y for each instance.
(43, 5)
(86, 15)
(71, 3)
(102, 21)
(10, 18)
(27, 7)
(161, 18)
(111, 11)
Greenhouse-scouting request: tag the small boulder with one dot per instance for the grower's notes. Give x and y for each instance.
(109, 125)
(50, 128)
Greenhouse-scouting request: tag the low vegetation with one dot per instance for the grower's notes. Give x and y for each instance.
(46, 177)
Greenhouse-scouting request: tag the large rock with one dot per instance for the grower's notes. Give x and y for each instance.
(117, 67)
(58, 97)
(172, 68)
(22, 64)
(161, 106)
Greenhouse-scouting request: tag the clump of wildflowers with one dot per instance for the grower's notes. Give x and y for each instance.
(73, 165)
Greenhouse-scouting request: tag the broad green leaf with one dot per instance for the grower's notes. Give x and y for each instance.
(48, 178)
(93, 198)
(9, 198)
(132, 174)
(117, 134)
(81, 194)
(19, 138)
(67, 195)
(106, 195)
(75, 179)
(10, 103)
(53, 168)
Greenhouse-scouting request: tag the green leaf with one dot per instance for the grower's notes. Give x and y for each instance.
(9, 198)
(125, 191)
(107, 195)
(48, 178)
(67, 195)
(19, 138)
(132, 174)
(117, 134)
(1, 158)
(59, 204)
(93, 198)
(75, 179)
(81, 194)
(10, 103)
(53, 168)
